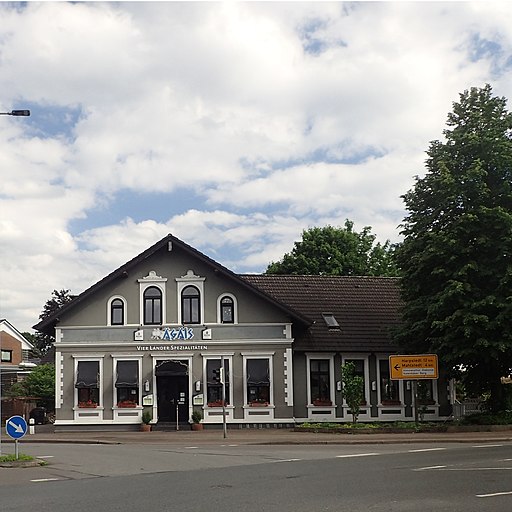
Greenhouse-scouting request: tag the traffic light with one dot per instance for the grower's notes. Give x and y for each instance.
(218, 375)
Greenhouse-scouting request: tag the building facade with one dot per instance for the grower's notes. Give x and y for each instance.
(15, 362)
(153, 335)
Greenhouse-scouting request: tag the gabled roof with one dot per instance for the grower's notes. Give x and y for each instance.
(6, 326)
(365, 308)
(48, 324)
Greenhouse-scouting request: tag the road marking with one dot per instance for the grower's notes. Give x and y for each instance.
(429, 467)
(493, 494)
(45, 456)
(426, 450)
(479, 469)
(44, 479)
(287, 460)
(191, 447)
(487, 446)
(356, 455)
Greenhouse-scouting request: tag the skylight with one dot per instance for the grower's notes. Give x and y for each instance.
(331, 321)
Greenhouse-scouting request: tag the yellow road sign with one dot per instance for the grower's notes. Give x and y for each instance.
(413, 367)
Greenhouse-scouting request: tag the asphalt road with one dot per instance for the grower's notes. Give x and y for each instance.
(230, 477)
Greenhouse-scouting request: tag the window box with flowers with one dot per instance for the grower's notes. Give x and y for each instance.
(258, 403)
(322, 402)
(391, 402)
(217, 403)
(127, 404)
(87, 405)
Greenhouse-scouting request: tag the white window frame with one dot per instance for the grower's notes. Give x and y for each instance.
(115, 360)
(324, 356)
(259, 355)
(190, 279)
(109, 310)
(366, 368)
(96, 358)
(219, 309)
(219, 357)
(147, 282)
(379, 380)
(8, 353)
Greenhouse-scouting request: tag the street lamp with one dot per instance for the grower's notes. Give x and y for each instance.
(22, 113)
(17, 113)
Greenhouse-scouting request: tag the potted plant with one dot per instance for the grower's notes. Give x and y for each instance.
(197, 416)
(146, 420)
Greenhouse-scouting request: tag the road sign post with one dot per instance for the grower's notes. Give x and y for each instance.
(16, 428)
(414, 368)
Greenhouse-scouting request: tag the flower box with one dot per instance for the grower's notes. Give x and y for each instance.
(258, 404)
(87, 405)
(391, 402)
(322, 403)
(127, 404)
(216, 403)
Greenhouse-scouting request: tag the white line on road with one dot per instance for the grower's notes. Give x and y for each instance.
(44, 479)
(426, 450)
(356, 455)
(429, 467)
(493, 494)
(487, 446)
(191, 447)
(287, 460)
(45, 456)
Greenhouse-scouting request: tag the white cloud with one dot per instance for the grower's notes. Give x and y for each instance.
(259, 119)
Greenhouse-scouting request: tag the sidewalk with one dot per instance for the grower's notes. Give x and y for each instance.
(252, 436)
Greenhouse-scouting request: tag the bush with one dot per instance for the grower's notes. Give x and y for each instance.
(484, 418)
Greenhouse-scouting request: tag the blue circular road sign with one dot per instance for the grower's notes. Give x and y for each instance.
(16, 427)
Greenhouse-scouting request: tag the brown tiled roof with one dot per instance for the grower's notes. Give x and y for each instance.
(366, 308)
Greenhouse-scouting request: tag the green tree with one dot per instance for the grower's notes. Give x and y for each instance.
(39, 383)
(337, 251)
(43, 342)
(352, 389)
(456, 258)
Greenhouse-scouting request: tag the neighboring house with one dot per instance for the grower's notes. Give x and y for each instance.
(153, 334)
(14, 358)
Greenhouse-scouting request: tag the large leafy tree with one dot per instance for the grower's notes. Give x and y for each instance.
(43, 342)
(337, 251)
(456, 258)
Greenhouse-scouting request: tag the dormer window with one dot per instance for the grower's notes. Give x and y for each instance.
(190, 305)
(331, 321)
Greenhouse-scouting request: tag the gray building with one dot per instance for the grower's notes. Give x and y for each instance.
(153, 335)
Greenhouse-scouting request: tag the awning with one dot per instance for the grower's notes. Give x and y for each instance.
(257, 372)
(127, 374)
(87, 374)
(171, 369)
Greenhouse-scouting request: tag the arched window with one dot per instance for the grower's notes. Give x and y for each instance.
(152, 306)
(227, 310)
(117, 312)
(190, 305)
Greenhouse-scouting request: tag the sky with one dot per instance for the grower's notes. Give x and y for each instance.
(232, 125)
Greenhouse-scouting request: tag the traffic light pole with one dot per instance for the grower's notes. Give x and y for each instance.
(223, 382)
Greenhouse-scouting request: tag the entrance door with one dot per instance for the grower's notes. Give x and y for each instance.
(172, 392)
